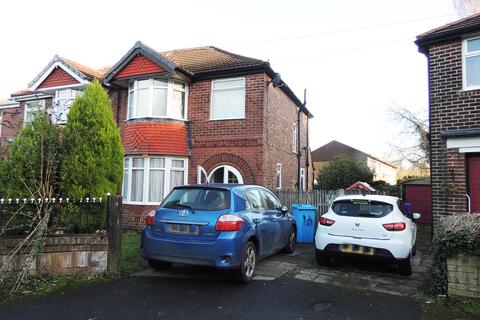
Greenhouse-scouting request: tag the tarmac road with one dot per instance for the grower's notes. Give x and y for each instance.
(172, 298)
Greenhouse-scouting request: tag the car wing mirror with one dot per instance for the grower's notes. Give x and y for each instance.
(416, 216)
(283, 209)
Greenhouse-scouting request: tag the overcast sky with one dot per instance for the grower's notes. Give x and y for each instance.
(356, 58)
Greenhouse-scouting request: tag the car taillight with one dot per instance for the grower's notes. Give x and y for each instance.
(326, 222)
(150, 218)
(229, 222)
(396, 226)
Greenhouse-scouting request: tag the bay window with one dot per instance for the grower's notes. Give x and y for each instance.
(157, 98)
(147, 180)
(228, 99)
(32, 107)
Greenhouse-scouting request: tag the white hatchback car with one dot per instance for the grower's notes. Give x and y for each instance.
(367, 226)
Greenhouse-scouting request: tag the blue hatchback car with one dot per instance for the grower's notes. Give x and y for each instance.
(222, 225)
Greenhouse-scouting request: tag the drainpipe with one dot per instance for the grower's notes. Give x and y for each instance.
(307, 160)
(299, 148)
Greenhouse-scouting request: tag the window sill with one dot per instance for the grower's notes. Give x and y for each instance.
(223, 119)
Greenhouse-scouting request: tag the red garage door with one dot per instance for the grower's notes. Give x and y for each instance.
(420, 197)
(474, 183)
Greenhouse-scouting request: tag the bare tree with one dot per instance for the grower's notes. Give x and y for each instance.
(413, 142)
(466, 7)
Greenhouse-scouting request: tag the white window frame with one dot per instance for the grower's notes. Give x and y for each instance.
(1, 122)
(465, 55)
(302, 179)
(146, 177)
(244, 87)
(278, 173)
(151, 86)
(226, 170)
(294, 138)
(71, 95)
(40, 103)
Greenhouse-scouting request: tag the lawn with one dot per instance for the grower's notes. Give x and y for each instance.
(131, 260)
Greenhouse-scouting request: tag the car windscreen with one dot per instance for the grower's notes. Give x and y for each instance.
(362, 208)
(203, 199)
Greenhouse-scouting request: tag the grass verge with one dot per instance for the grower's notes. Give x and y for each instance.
(452, 308)
(131, 259)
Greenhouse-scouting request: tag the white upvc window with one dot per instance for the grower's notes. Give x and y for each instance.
(1, 122)
(471, 63)
(294, 138)
(148, 180)
(278, 176)
(61, 104)
(228, 99)
(157, 98)
(32, 107)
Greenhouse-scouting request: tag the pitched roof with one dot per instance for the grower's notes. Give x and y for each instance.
(90, 72)
(209, 59)
(360, 185)
(334, 148)
(450, 30)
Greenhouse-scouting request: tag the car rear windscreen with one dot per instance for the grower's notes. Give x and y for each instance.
(203, 199)
(361, 208)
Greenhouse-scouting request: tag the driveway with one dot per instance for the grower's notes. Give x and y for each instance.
(301, 265)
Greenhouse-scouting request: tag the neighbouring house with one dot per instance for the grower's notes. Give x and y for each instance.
(453, 54)
(382, 169)
(186, 116)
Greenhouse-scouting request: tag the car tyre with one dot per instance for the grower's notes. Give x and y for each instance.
(245, 273)
(292, 242)
(159, 265)
(322, 258)
(405, 266)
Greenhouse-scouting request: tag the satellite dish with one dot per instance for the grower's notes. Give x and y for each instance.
(277, 80)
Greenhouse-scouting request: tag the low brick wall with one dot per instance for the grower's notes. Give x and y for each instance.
(464, 276)
(63, 254)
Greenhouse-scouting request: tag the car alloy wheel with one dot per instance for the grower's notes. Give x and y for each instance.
(245, 273)
(292, 242)
(249, 263)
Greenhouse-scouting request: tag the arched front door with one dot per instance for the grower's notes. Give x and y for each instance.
(225, 174)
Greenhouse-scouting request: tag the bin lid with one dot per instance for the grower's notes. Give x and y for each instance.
(303, 207)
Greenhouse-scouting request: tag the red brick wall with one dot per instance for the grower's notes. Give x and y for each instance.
(239, 141)
(12, 120)
(279, 116)
(451, 108)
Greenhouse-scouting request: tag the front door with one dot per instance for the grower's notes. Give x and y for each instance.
(474, 182)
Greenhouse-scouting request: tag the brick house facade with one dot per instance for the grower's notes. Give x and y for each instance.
(188, 116)
(454, 113)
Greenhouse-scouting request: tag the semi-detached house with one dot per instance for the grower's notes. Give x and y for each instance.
(186, 116)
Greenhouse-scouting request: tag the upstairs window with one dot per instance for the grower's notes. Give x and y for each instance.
(471, 63)
(157, 98)
(228, 99)
(32, 107)
(62, 103)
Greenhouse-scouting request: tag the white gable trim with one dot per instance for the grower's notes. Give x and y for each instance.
(464, 145)
(52, 67)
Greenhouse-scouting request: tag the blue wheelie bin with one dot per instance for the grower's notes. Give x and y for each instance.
(304, 215)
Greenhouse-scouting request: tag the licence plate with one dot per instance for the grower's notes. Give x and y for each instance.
(351, 248)
(182, 228)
